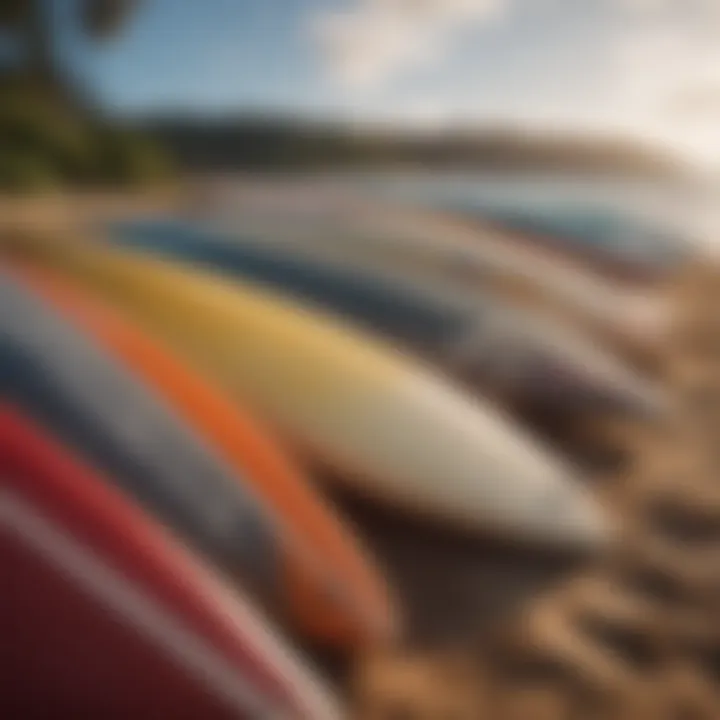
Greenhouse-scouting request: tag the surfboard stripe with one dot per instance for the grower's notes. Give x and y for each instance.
(122, 562)
(131, 605)
(95, 405)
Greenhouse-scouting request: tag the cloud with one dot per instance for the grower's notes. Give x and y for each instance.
(648, 8)
(656, 72)
(698, 102)
(667, 71)
(372, 42)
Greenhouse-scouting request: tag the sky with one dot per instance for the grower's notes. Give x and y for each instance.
(640, 67)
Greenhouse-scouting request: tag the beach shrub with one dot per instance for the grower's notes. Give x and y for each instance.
(128, 158)
(25, 172)
(45, 139)
(62, 143)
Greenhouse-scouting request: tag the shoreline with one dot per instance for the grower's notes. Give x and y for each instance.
(68, 211)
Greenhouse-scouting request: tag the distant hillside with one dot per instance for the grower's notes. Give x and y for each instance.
(271, 143)
(52, 137)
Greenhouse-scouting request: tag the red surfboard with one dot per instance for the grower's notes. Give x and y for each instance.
(104, 615)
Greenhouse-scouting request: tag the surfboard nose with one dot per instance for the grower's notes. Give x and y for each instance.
(571, 520)
(572, 371)
(639, 401)
(343, 611)
(621, 392)
(540, 501)
(583, 388)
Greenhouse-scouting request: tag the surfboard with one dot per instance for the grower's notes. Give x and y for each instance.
(612, 243)
(628, 238)
(469, 332)
(58, 376)
(467, 252)
(106, 615)
(389, 429)
(327, 582)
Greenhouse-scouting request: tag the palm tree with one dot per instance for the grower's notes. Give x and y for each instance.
(52, 130)
(30, 24)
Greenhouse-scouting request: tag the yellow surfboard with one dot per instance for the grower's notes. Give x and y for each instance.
(388, 427)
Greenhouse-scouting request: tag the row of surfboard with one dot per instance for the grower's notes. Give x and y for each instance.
(165, 392)
(404, 233)
(627, 231)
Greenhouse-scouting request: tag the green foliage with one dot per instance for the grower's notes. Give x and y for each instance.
(46, 141)
(48, 134)
(40, 129)
(25, 172)
(128, 158)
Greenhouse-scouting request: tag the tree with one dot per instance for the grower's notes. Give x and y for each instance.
(52, 132)
(30, 23)
(103, 18)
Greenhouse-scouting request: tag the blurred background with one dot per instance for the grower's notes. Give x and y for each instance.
(128, 92)
(527, 161)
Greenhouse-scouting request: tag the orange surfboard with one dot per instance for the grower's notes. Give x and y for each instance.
(330, 590)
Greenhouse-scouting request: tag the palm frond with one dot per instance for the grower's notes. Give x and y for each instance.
(103, 18)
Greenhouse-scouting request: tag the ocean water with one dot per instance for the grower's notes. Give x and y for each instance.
(648, 225)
